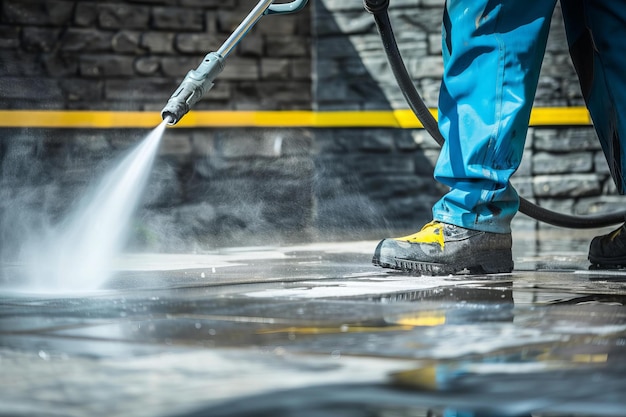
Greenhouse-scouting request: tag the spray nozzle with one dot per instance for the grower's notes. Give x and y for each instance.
(168, 118)
(192, 88)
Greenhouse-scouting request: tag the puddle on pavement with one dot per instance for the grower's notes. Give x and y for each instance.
(320, 335)
(492, 347)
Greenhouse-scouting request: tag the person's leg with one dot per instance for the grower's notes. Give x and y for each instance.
(595, 32)
(492, 53)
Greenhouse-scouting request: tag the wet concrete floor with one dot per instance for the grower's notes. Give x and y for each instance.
(315, 330)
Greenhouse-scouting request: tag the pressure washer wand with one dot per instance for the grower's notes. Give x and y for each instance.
(199, 81)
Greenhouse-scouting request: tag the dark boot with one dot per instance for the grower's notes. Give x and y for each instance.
(443, 249)
(609, 251)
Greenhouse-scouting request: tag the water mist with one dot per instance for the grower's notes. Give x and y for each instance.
(79, 254)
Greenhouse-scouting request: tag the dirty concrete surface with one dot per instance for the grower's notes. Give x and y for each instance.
(316, 330)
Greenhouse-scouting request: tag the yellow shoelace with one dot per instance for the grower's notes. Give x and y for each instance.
(431, 233)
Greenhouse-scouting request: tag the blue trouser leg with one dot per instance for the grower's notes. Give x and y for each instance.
(492, 53)
(596, 30)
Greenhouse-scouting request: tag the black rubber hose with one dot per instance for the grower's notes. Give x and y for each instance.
(378, 8)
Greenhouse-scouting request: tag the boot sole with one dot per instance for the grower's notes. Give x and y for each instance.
(610, 263)
(490, 263)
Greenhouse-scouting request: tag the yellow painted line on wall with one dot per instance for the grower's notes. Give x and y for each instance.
(405, 119)
(78, 119)
(554, 116)
(291, 118)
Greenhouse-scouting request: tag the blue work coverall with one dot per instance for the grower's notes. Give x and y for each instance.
(492, 53)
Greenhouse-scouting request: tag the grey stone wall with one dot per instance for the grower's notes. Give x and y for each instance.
(206, 190)
(217, 187)
(131, 55)
(210, 187)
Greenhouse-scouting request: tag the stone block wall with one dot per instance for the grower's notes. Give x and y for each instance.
(210, 187)
(218, 187)
(131, 55)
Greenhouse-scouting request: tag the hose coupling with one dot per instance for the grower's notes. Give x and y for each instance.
(375, 6)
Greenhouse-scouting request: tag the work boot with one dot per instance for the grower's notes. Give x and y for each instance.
(443, 249)
(609, 251)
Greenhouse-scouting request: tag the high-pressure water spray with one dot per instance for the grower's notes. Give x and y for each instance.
(197, 82)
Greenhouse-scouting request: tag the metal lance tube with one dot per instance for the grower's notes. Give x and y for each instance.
(199, 81)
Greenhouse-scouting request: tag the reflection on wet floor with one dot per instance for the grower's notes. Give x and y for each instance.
(317, 331)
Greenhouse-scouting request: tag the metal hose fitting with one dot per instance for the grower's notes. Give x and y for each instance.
(195, 84)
